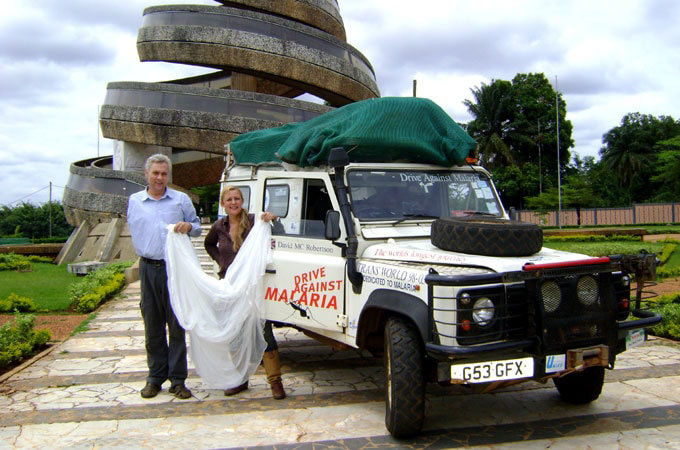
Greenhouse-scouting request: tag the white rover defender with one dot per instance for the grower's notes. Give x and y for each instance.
(420, 263)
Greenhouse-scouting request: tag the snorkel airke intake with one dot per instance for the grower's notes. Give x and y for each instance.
(338, 159)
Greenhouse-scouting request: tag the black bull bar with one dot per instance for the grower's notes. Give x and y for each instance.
(643, 265)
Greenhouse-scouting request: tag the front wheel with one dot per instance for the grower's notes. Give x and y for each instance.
(404, 379)
(581, 387)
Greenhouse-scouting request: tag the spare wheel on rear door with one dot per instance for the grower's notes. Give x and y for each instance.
(486, 236)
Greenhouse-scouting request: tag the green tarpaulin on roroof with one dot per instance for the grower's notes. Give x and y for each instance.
(389, 129)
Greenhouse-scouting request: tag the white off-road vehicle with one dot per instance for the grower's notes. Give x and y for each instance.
(422, 264)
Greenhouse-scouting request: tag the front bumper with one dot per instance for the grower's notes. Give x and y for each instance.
(646, 319)
(526, 330)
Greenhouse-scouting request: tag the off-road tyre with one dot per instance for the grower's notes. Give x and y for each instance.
(486, 236)
(581, 387)
(404, 379)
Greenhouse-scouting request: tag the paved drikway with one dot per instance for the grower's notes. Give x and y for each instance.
(85, 394)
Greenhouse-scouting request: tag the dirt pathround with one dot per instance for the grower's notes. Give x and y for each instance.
(60, 325)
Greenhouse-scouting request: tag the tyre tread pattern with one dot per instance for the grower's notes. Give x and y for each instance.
(487, 236)
(404, 417)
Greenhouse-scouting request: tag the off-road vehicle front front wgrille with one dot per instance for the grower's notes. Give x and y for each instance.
(559, 310)
(575, 310)
(463, 317)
